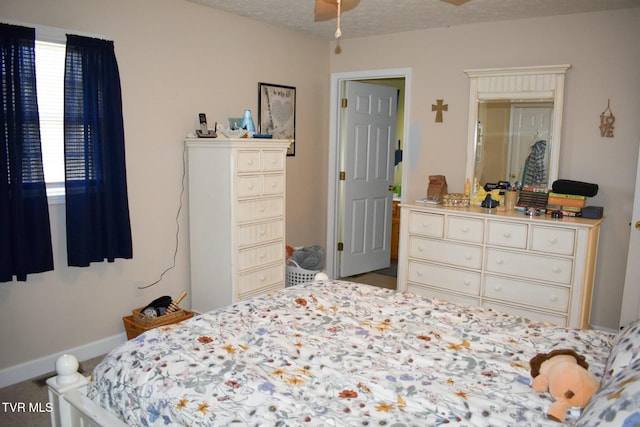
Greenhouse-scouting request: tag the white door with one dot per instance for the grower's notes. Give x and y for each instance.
(367, 163)
(631, 297)
(528, 125)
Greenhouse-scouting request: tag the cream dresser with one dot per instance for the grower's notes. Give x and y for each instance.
(236, 191)
(537, 267)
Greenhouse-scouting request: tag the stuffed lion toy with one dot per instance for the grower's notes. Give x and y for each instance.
(564, 373)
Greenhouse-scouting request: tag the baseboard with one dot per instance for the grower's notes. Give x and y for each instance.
(37, 367)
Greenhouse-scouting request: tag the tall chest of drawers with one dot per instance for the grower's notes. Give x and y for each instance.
(236, 192)
(536, 267)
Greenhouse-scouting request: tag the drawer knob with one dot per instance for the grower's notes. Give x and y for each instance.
(556, 269)
(553, 240)
(262, 208)
(250, 186)
(467, 282)
(262, 278)
(425, 225)
(262, 255)
(273, 185)
(506, 235)
(498, 288)
(499, 261)
(468, 257)
(250, 162)
(419, 273)
(553, 298)
(262, 231)
(465, 229)
(420, 248)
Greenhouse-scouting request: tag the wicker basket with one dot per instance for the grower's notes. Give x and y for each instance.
(133, 327)
(142, 319)
(297, 275)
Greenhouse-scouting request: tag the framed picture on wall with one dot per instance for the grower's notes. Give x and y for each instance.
(277, 112)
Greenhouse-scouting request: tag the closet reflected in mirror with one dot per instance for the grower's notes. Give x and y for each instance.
(515, 124)
(512, 141)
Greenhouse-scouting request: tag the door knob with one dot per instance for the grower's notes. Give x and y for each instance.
(637, 225)
(392, 187)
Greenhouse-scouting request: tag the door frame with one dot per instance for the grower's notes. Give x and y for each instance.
(630, 308)
(335, 130)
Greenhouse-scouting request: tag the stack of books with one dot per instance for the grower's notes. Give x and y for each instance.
(568, 204)
(533, 197)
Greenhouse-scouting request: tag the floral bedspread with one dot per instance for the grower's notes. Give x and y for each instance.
(342, 354)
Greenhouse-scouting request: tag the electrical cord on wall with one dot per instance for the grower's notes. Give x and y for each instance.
(175, 252)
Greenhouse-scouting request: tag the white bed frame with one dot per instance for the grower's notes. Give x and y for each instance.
(70, 406)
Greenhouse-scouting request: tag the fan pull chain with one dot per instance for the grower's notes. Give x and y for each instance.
(338, 31)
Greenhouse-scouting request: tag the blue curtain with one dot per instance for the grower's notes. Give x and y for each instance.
(98, 226)
(25, 231)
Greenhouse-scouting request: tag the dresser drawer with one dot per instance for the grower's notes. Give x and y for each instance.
(260, 279)
(249, 161)
(425, 224)
(251, 210)
(273, 184)
(272, 161)
(257, 233)
(534, 294)
(552, 240)
(257, 185)
(507, 234)
(443, 295)
(550, 269)
(261, 255)
(446, 252)
(556, 319)
(465, 229)
(467, 282)
(249, 185)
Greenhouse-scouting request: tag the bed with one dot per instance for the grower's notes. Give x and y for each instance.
(346, 354)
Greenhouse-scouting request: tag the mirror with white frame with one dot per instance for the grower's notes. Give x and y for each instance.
(515, 124)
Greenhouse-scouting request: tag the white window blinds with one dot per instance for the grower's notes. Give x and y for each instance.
(50, 59)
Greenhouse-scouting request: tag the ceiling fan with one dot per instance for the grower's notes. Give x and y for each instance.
(456, 2)
(329, 9)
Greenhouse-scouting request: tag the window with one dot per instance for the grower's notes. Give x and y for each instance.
(50, 57)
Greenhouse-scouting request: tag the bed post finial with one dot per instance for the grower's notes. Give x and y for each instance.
(67, 369)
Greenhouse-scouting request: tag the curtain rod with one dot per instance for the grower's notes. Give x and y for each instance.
(47, 33)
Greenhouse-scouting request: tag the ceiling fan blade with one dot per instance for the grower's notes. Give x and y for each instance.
(327, 9)
(456, 2)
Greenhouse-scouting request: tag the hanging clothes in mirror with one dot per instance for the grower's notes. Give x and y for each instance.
(534, 168)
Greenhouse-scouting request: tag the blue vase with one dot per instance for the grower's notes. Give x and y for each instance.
(247, 122)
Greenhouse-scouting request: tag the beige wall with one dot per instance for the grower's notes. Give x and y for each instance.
(602, 47)
(176, 59)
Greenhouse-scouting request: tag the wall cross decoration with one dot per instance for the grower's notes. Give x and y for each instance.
(606, 122)
(439, 107)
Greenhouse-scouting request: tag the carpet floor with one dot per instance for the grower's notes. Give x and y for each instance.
(374, 279)
(25, 403)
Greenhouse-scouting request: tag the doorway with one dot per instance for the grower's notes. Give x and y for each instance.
(338, 81)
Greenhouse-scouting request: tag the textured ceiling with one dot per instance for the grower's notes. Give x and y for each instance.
(375, 17)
